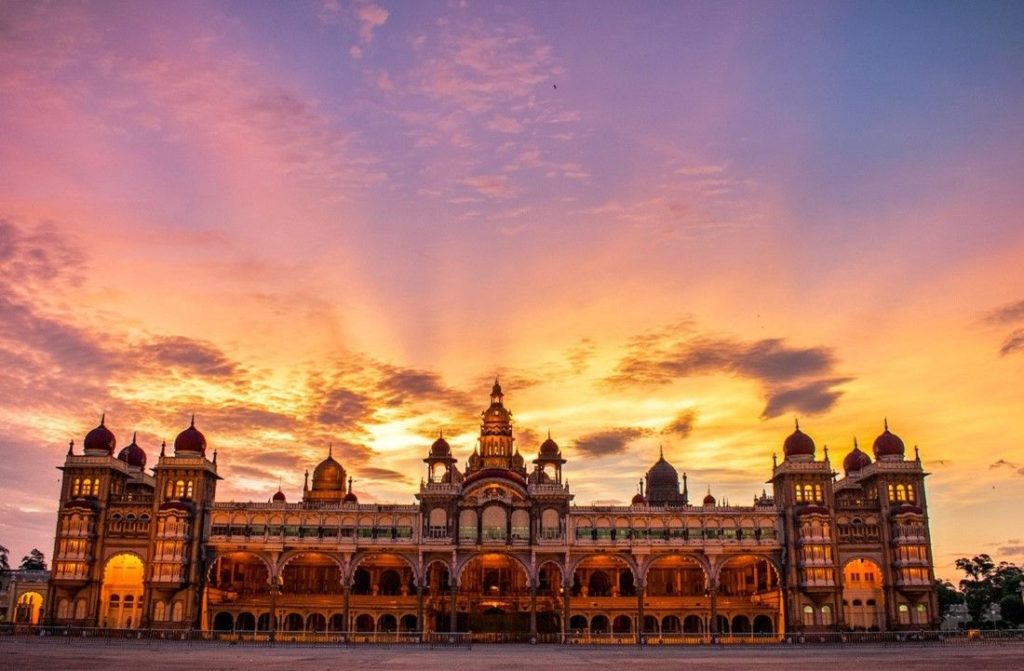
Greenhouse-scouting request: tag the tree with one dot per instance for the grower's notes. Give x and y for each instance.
(987, 584)
(1012, 609)
(4, 553)
(948, 595)
(977, 586)
(33, 561)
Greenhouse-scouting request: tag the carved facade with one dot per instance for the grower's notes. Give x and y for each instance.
(498, 546)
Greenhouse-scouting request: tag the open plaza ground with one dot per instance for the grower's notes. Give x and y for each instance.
(160, 656)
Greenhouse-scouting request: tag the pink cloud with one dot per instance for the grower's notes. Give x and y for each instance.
(492, 186)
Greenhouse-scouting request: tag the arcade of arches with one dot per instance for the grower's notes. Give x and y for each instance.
(493, 595)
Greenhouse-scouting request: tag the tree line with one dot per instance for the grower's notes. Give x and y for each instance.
(33, 561)
(990, 591)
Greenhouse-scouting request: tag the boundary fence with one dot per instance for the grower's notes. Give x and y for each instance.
(131, 637)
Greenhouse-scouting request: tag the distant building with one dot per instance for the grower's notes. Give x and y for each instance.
(496, 546)
(22, 594)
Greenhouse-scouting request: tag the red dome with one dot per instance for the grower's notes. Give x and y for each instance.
(440, 448)
(709, 500)
(549, 448)
(798, 444)
(639, 500)
(888, 444)
(855, 460)
(278, 497)
(190, 441)
(100, 441)
(351, 498)
(133, 455)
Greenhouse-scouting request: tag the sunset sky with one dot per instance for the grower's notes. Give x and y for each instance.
(676, 224)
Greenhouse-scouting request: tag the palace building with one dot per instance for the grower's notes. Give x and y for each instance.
(496, 545)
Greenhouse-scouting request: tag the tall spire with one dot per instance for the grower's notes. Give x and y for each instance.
(103, 419)
(135, 434)
(796, 420)
(661, 451)
(330, 450)
(885, 423)
(686, 492)
(192, 422)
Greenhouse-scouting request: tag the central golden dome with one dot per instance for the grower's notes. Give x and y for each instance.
(328, 476)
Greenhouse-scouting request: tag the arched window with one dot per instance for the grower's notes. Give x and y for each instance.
(179, 489)
(808, 492)
(799, 493)
(169, 490)
(87, 487)
(892, 493)
(808, 615)
(826, 614)
(818, 494)
(910, 493)
(188, 490)
(76, 488)
(904, 611)
(901, 493)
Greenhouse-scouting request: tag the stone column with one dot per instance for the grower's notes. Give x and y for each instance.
(274, 588)
(346, 625)
(640, 612)
(713, 629)
(419, 610)
(453, 625)
(533, 611)
(566, 607)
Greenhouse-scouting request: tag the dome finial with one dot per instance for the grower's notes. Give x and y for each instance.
(855, 446)
(163, 448)
(796, 421)
(330, 450)
(350, 483)
(71, 447)
(103, 419)
(440, 433)
(661, 451)
(885, 422)
(135, 434)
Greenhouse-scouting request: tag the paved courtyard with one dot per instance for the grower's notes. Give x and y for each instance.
(158, 656)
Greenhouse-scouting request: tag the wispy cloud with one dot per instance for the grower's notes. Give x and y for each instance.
(793, 378)
(609, 441)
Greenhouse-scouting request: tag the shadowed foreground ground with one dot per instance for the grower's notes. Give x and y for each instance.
(159, 656)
